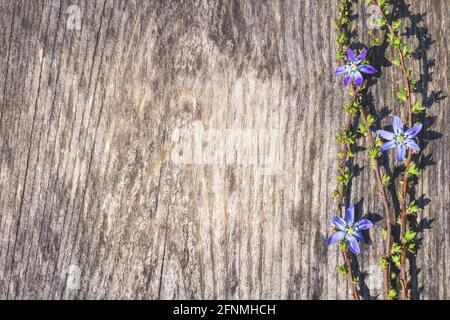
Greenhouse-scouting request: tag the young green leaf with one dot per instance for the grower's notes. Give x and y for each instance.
(402, 95)
(396, 259)
(406, 50)
(384, 262)
(385, 179)
(413, 170)
(343, 245)
(335, 194)
(396, 248)
(409, 236)
(370, 120)
(392, 293)
(362, 129)
(412, 208)
(396, 24)
(396, 62)
(417, 107)
(342, 270)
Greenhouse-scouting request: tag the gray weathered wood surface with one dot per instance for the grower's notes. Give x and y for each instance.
(96, 199)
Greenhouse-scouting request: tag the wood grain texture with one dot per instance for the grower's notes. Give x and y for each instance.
(94, 186)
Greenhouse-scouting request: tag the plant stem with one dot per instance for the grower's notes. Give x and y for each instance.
(343, 27)
(384, 197)
(403, 212)
(342, 165)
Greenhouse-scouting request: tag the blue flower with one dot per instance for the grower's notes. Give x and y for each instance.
(400, 139)
(353, 69)
(349, 230)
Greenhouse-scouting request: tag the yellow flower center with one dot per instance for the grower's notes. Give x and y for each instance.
(400, 138)
(350, 230)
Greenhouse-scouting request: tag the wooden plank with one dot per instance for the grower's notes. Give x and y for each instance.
(136, 150)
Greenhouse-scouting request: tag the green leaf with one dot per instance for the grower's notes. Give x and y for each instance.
(384, 262)
(396, 24)
(396, 260)
(335, 194)
(342, 270)
(362, 129)
(411, 247)
(351, 108)
(392, 293)
(402, 95)
(370, 120)
(385, 179)
(341, 38)
(343, 245)
(378, 142)
(396, 62)
(409, 236)
(373, 152)
(340, 55)
(413, 170)
(335, 24)
(417, 107)
(344, 177)
(350, 153)
(394, 41)
(406, 50)
(412, 208)
(396, 248)
(376, 41)
(345, 19)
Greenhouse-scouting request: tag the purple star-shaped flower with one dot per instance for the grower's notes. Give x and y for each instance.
(400, 139)
(353, 69)
(349, 230)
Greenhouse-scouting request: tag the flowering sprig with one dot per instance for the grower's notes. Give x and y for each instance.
(403, 138)
(406, 147)
(347, 138)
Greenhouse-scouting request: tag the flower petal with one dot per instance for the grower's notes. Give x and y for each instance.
(352, 244)
(412, 145)
(363, 224)
(388, 145)
(401, 152)
(358, 78)
(350, 55)
(398, 125)
(347, 79)
(339, 223)
(350, 214)
(367, 69)
(413, 131)
(340, 70)
(386, 134)
(361, 56)
(335, 237)
(359, 236)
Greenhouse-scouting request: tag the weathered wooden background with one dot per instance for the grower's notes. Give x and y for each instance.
(98, 199)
